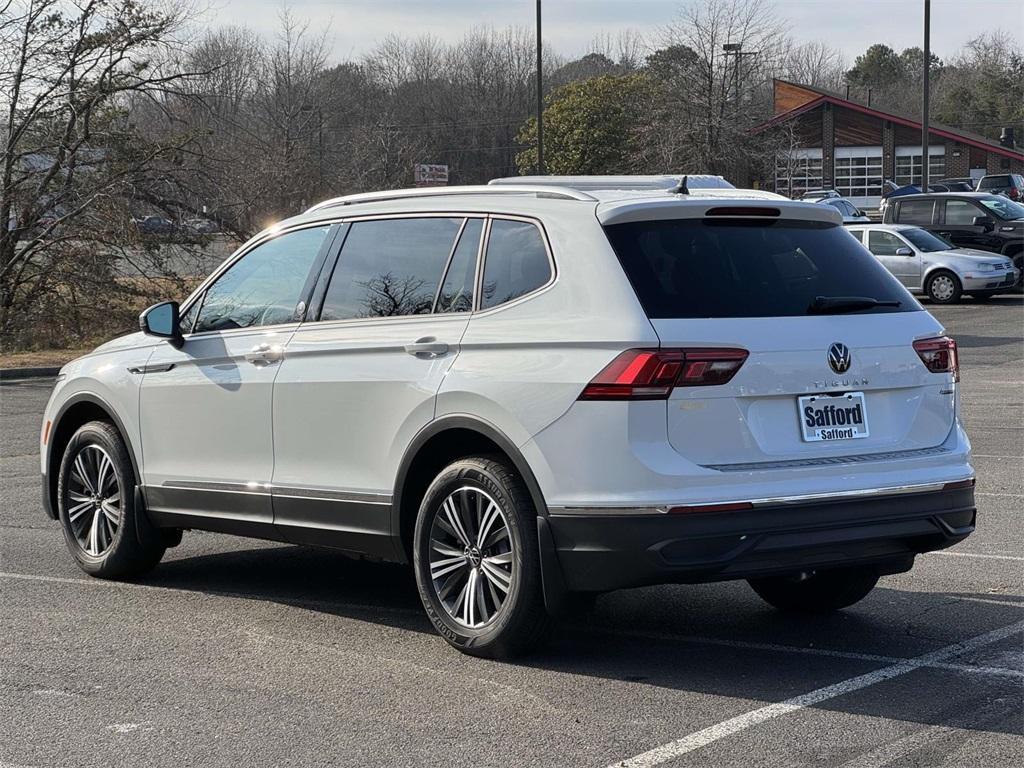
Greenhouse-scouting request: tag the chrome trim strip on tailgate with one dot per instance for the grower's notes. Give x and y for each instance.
(823, 461)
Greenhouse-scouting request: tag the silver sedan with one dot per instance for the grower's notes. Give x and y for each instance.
(929, 264)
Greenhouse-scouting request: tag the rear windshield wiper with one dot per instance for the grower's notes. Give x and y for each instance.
(836, 305)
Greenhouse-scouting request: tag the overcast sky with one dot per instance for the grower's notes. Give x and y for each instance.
(569, 25)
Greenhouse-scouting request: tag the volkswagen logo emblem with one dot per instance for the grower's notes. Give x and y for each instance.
(839, 357)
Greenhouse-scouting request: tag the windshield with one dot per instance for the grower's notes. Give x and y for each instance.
(691, 268)
(925, 241)
(1003, 207)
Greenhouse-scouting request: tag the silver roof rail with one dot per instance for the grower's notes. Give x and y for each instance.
(662, 183)
(540, 190)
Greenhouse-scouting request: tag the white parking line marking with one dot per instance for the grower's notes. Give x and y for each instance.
(942, 739)
(719, 731)
(1007, 495)
(976, 554)
(828, 652)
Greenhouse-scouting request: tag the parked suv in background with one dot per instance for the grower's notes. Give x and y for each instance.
(967, 219)
(1009, 184)
(530, 392)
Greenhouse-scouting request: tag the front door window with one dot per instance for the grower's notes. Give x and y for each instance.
(265, 286)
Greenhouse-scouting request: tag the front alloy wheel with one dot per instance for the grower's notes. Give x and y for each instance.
(105, 532)
(94, 500)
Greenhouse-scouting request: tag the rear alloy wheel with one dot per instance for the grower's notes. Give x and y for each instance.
(104, 531)
(477, 562)
(944, 287)
(816, 591)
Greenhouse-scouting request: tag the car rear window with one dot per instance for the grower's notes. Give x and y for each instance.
(991, 182)
(701, 268)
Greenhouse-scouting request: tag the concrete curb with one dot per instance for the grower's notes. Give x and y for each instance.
(16, 374)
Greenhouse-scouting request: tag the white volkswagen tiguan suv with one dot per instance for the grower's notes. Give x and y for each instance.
(530, 391)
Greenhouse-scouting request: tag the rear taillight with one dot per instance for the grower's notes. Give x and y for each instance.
(651, 374)
(939, 355)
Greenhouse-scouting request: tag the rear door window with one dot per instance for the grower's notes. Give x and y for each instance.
(516, 262)
(707, 268)
(914, 211)
(390, 267)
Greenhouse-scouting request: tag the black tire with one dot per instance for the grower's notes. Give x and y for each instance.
(943, 287)
(131, 548)
(818, 592)
(1018, 262)
(520, 623)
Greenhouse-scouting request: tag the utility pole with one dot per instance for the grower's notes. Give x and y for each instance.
(736, 51)
(540, 98)
(924, 95)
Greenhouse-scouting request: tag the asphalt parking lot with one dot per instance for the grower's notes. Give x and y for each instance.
(239, 652)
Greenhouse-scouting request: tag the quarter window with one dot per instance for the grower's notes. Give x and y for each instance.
(517, 262)
(390, 267)
(265, 286)
(915, 212)
(961, 213)
(457, 290)
(884, 243)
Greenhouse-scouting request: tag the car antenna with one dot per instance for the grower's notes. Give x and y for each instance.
(681, 189)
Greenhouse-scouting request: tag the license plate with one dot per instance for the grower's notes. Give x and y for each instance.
(833, 417)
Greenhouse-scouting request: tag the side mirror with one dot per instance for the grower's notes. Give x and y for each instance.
(904, 251)
(984, 222)
(161, 320)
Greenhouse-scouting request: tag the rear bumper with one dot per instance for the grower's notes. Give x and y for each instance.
(605, 550)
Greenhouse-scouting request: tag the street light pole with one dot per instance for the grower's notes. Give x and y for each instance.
(924, 95)
(540, 98)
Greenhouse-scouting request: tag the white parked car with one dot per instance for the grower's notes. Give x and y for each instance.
(928, 263)
(531, 392)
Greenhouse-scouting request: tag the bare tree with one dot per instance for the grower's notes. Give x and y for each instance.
(70, 153)
(814, 63)
(714, 98)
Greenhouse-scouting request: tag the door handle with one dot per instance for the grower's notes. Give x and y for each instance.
(427, 347)
(151, 368)
(264, 354)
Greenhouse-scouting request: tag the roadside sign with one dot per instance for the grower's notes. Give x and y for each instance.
(430, 175)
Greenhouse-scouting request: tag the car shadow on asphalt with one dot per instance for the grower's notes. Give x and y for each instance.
(715, 639)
